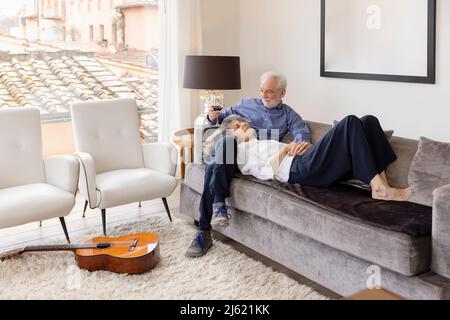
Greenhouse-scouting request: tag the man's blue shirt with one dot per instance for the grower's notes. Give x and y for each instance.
(270, 123)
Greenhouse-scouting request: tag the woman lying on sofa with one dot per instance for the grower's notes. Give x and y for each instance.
(355, 148)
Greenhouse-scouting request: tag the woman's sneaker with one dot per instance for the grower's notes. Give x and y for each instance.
(200, 245)
(221, 217)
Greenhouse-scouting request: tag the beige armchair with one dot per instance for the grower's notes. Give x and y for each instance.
(31, 188)
(115, 168)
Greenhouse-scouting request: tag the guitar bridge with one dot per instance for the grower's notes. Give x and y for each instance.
(133, 245)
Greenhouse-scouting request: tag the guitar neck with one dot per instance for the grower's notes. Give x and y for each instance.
(60, 247)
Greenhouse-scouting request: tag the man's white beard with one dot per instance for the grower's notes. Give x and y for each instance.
(270, 104)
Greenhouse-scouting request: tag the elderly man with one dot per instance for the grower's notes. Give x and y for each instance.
(272, 119)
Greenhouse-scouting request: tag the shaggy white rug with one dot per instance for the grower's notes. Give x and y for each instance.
(224, 273)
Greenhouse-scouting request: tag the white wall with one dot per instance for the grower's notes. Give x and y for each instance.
(221, 34)
(285, 35)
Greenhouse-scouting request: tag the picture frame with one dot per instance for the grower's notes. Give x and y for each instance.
(384, 40)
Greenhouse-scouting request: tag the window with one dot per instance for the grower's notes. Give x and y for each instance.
(63, 8)
(55, 10)
(91, 33)
(83, 67)
(101, 33)
(114, 33)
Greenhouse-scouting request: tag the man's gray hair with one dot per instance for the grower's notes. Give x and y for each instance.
(281, 78)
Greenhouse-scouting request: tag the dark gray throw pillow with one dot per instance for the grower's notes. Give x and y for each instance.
(430, 169)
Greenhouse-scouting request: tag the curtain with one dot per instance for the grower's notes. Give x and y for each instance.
(181, 34)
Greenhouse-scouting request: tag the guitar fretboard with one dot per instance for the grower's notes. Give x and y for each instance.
(61, 247)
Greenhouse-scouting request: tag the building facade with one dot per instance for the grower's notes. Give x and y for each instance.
(113, 24)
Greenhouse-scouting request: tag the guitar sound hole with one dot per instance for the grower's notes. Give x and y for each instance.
(103, 245)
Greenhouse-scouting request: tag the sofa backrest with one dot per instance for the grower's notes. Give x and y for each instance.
(318, 130)
(397, 172)
(21, 160)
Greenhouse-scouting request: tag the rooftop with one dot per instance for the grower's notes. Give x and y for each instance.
(143, 59)
(53, 83)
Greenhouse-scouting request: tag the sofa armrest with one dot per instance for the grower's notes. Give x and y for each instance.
(161, 157)
(87, 182)
(62, 172)
(440, 236)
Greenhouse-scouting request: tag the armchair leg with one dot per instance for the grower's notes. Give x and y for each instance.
(63, 224)
(40, 224)
(85, 207)
(104, 221)
(140, 204)
(167, 208)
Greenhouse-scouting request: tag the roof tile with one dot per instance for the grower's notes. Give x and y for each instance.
(52, 84)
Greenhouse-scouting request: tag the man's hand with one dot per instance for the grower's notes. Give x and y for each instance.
(298, 148)
(213, 114)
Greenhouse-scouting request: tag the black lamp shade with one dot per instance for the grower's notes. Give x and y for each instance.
(212, 73)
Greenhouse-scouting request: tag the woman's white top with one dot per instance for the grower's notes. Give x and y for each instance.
(254, 157)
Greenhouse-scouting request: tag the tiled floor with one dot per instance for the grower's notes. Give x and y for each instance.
(31, 234)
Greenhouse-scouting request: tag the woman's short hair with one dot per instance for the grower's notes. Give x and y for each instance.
(281, 78)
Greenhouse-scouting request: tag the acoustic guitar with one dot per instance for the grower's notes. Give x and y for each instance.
(136, 253)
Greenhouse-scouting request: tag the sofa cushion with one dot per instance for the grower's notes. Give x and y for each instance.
(430, 169)
(391, 234)
(357, 204)
(318, 130)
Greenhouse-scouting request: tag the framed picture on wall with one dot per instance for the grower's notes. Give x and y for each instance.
(387, 40)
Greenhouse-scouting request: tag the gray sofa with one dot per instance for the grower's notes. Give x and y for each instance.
(338, 237)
